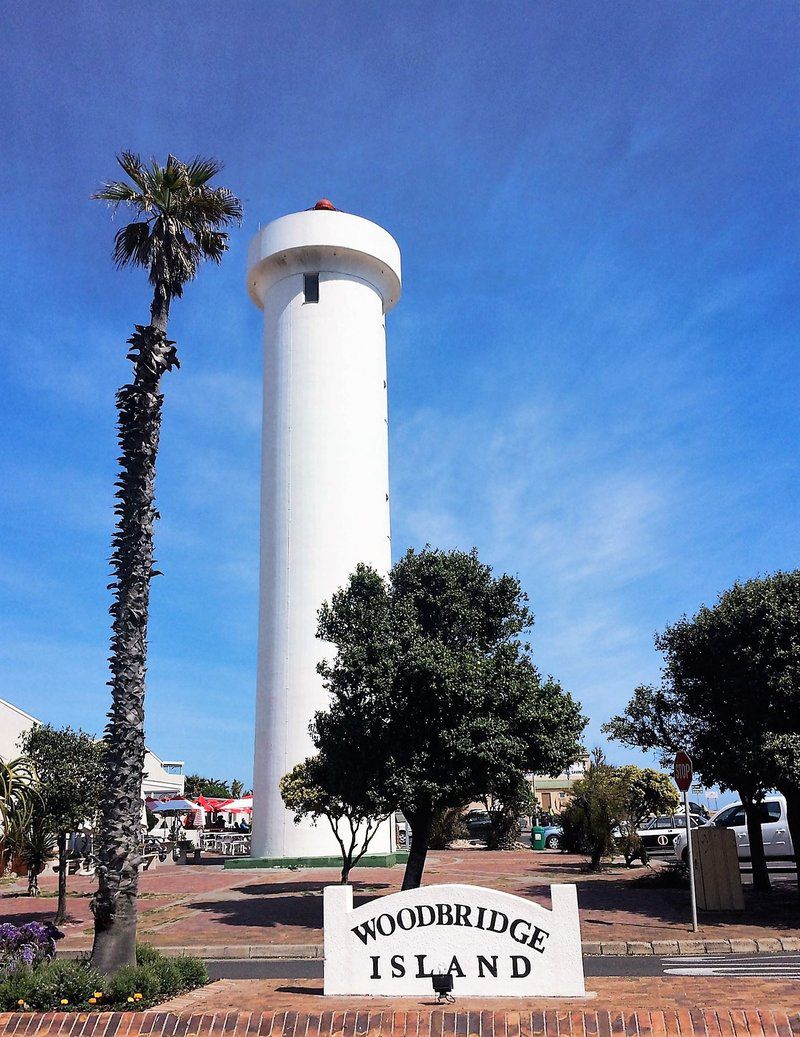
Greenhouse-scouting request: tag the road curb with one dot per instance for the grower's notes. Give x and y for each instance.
(592, 949)
(679, 948)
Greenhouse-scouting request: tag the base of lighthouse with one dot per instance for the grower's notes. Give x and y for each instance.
(371, 860)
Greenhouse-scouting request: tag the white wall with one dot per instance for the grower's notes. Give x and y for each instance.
(13, 724)
(156, 780)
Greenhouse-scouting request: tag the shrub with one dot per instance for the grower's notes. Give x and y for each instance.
(169, 976)
(44, 987)
(193, 972)
(15, 987)
(63, 980)
(146, 954)
(131, 980)
(174, 974)
(447, 826)
(155, 977)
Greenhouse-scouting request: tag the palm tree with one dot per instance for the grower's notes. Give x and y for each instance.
(180, 221)
(19, 794)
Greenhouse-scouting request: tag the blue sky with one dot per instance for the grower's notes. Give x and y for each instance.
(593, 369)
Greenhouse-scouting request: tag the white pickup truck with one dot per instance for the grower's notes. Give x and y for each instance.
(774, 828)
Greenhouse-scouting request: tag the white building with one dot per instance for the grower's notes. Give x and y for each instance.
(553, 794)
(161, 778)
(325, 281)
(14, 722)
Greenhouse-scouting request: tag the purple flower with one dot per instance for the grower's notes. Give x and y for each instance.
(29, 945)
(8, 933)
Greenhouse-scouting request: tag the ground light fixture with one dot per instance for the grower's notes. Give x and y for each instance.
(442, 987)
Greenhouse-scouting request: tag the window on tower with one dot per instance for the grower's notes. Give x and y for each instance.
(311, 287)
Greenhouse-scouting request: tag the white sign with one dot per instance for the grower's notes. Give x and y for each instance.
(491, 943)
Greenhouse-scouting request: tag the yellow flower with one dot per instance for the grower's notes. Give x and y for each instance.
(64, 1001)
(21, 1001)
(97, 993)
(130, 1000)
(138, 997)
(92, 1000)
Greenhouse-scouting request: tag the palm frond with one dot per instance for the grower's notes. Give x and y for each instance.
(18, 791)
(117, 192)
(132, 164)
(132, 245)
(209, 208)
(172, 176)
(211, 244)
(200, 170)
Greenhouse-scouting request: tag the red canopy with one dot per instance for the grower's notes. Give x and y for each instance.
(212, 803)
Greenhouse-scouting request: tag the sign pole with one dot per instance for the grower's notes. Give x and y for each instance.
(683, 772)
(692, 891)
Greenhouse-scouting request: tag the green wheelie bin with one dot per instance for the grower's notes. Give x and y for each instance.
(537, 837)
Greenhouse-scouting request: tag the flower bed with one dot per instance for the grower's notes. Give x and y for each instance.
(32, 979)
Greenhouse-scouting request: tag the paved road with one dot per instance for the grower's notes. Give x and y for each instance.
(762, 966)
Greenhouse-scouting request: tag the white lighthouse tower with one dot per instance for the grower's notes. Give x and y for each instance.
(325, 280)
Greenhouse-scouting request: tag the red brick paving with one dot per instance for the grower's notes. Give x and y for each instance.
(205, 905)
(388, 1020)
(619, 993)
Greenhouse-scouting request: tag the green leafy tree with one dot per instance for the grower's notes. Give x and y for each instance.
(730, 696)
(783, 757)
(179, 222)
(589, 819)
(663, 720)
(431, 673)
(642, 792)
(748, 651)
(69, 765)
(197, 785)
(314, 789)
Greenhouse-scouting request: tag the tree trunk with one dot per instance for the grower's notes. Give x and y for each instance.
(756, 838)
(420, 822)
(139, 422)
(61, 911)
(596, 858)
(792, 795)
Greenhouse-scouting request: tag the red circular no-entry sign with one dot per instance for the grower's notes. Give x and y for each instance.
(682, 769)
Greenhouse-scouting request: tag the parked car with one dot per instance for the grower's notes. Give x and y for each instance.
(478, 823)
(658, 835)
(402, 830)
(552, 836)
(774, 829)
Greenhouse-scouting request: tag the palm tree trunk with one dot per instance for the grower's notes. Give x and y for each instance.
(139, 423)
